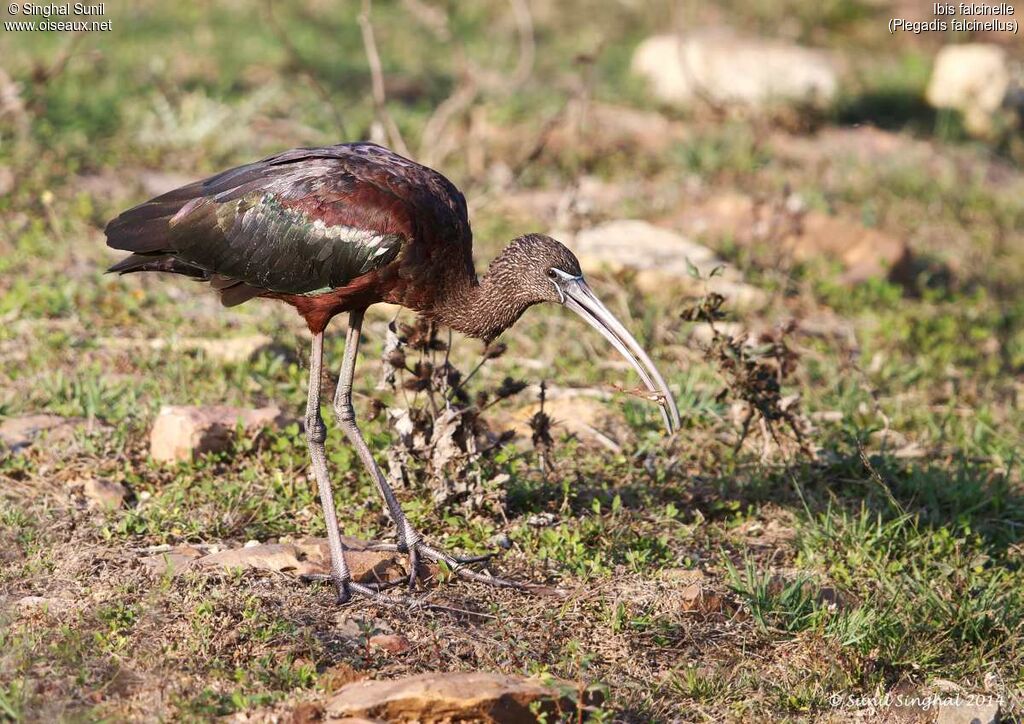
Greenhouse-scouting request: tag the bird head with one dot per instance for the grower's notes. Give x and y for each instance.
(546, 271)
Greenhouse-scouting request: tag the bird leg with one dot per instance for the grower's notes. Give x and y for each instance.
(316, 434)
(410, 541)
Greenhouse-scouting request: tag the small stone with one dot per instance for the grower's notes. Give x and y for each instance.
(104, 494)
(501, 540)
(461, 696)
(182, 433)
(392, 643)
(251, 544)
(224, 349)
(338, 676)
(17, 433)
(174, 561)
(541, 520)
(685, 575)
(28, 604)
(973, 78)
(230, 349)
(6, 180)
(306, 712)
(954, 711)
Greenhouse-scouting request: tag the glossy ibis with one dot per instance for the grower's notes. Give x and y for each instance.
(336, 229)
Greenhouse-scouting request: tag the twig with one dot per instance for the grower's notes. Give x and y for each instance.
(879, 480)
(435, 20)
(435, 144)
(303, 67)
(527, 45)
(377, 82)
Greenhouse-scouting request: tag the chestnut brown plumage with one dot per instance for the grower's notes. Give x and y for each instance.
(336, 229)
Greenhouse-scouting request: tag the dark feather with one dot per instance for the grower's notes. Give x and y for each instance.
(157, 262)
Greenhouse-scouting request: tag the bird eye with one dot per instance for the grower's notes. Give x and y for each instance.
(552, 274)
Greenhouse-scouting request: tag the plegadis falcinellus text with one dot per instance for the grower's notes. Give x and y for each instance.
(336, 229)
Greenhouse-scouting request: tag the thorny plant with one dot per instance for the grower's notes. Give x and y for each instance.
(443, 434)
(754, 375)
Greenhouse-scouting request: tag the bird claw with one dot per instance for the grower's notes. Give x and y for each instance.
(345, 589)
(461, 560)
(456, 564)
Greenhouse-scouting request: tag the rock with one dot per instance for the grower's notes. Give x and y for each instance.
(231, 350)
(729, 70)
(603, 129)
(659, 256)
(699, 598)
(973, 78)
(338, 676)
(104, 494)
(864, 252)
(953, 712)
(310, 556)
(30, 604)
(182, 433)
(586, 418)
(500, 540)
(173, 561)
(683, 575)
(17, 433)
(542, 520)
(392, 643)
(461, 696)
(6, 180)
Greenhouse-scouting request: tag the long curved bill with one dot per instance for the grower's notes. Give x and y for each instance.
(578, 297)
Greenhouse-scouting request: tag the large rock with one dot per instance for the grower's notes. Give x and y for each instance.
(182, 433)
(973, 78)
(304, 557)
(661, 257)
(729, 70)
(447, 697)
(863, 252)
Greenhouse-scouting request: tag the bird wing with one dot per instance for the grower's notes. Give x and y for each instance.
(302, 221)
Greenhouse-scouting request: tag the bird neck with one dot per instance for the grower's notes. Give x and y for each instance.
(486, 307)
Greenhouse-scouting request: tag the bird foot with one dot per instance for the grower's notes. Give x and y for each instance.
(417, 553)
(345, 589)
(455, 564)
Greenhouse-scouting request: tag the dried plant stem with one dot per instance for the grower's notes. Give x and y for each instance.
(303, 66)
(377, 82)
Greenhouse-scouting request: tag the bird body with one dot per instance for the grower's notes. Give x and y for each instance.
(337, 229)
(325, 229)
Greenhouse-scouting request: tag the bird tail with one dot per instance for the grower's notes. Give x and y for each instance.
(146, 228)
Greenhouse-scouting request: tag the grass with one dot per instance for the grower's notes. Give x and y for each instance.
(888, 562)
